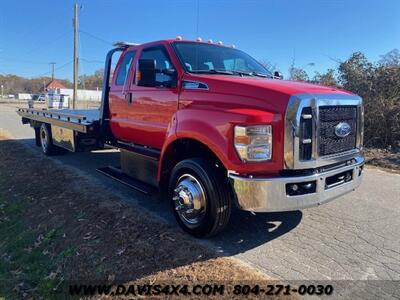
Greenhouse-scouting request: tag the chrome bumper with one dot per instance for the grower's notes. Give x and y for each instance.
(269, 194)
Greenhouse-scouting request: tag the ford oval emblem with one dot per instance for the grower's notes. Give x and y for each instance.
(342, 129)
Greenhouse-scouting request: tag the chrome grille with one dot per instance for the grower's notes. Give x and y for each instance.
(327, 111)
(329, 118)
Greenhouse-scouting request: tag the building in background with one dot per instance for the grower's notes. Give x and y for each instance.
(54, 85)
(57, 88)
(58, 96)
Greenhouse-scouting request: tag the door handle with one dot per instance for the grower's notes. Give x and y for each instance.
(128, 97)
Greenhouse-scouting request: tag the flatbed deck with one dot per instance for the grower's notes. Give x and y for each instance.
(81, 120)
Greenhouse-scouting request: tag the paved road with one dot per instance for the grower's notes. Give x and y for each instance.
(355, 237)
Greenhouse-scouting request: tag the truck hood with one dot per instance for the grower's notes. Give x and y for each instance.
(287, 87)
(265, 93)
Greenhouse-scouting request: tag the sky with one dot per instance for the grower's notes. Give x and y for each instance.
(313, 34)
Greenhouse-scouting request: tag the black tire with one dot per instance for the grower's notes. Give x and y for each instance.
(215, 216)
(46, 140)
(37, 136)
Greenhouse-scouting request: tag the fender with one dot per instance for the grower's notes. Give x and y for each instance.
(214, 128)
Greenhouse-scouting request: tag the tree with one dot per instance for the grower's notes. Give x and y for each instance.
(384, 102)
(379, 86)
(92, 82)
(14, 84)
(355, 74)
(328, 78)
(390, 59)
(298, 74)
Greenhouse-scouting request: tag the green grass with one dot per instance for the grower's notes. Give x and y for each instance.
(25, 256)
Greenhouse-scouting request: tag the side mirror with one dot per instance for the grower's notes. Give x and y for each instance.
(146, 72)
(278, 75)
(171, 73)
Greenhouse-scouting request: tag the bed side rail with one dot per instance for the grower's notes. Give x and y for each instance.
(69, 121)
(26, 112)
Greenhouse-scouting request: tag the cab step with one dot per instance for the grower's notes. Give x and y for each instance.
(117, 174)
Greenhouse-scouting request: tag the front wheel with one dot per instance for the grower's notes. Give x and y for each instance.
(200, 198)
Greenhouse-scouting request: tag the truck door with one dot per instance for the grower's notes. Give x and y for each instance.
(152, 108)
(119, 95)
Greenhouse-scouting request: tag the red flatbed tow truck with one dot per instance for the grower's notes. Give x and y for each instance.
(213, 129)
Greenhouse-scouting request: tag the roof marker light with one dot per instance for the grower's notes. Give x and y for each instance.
(179, 38)
(233, 46)
(220, 43)
(210, 41)
(124, 44)
(199, 39)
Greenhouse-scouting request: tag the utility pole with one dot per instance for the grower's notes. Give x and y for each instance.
(75, 55)
(52, 70)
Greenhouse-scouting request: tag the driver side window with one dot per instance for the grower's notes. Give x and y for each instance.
(163, 64)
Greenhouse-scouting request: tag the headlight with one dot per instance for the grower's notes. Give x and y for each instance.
(254, 143)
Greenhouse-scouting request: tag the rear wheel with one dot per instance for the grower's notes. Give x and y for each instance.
(37, 136)
(200, 197)
(46, 141)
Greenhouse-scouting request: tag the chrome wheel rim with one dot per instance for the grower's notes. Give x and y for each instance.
(189, 200)
(43, 140)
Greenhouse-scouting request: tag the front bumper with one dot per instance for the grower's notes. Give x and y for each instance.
(270, 194)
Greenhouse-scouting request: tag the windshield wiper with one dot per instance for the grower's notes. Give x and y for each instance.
(261, 75)
(232, 72)
(242, 73)
(213, 71)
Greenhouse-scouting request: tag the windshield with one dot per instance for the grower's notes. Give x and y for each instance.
(214, 59)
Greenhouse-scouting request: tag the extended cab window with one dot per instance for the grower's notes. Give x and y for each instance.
(123, 70)
(163, 63)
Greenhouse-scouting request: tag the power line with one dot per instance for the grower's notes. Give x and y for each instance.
(56, 69)
(96, 37)
(92, 61)
(24, 61)
(336, 60)
(46, 44)
(46, 63)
